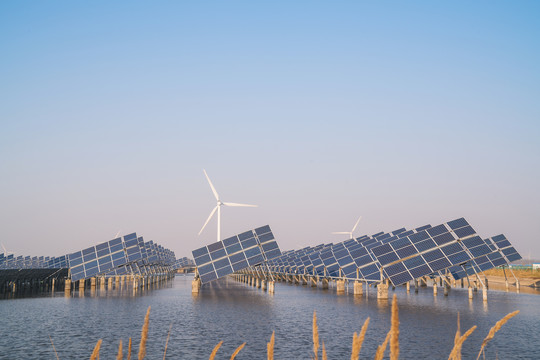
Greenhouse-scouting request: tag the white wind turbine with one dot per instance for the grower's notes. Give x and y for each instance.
(6, 253)
(350, 233)
(218, 209)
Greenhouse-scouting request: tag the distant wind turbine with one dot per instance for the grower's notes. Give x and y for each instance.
(6, 253)
(218, 209)
(350, 233)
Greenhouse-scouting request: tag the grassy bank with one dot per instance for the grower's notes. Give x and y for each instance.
(520, 274)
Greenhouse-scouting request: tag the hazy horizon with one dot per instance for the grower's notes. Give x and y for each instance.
(404, 113)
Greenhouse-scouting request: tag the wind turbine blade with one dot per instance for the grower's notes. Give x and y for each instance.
(211, 186)
(235, 204)
(342, 233)
(207, 220)
(355, 225)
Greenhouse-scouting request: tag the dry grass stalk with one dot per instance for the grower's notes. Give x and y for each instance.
(129, 350)
(457, 355)
(144, 335)
(216, 348)
(167, 342)
(456, 350)
(380, 350)
(237, 351)
(358, 340)
(95, 353)
(394, 331)
(55, 353)
(120, 355)
(315, 337)
(324, 357)
(494, 329)
(270, 347)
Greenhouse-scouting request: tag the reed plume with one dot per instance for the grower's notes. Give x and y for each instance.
(324, 357)
(358, 340)
(119, 356)
(394, 330)
(456, 350)
(237, 351)
(129, 350)
(144, 335)
(95, 353)
(167, 342)
(214, 352)
(494, 329)
(315, 336)
(55, 353)
(380, 350)
(270, 347)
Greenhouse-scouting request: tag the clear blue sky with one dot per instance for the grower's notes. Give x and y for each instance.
(406, 113)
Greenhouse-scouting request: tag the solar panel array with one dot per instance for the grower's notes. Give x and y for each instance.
(183, 262)
(120, 256)
(250, 248)
(403, 255)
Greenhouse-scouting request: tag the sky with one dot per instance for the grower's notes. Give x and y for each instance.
(406, 113)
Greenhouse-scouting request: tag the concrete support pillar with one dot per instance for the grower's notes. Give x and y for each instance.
(324, 283)
(263, 285)
(109, 287)
(117, 282)
(358, 288)
(434, 288)
(517, 284)
(445, 289)
(408, 285)
(340, 286)
(195, 286)
(258, 283)
(313, 281)
(67, 285)
(304, 280)
(416, 286)
(484, 293)
(93, 283)
(81, 284)
(487, 283)
(382, 291)
(506, 282)
(462, 283)
(470, 292)
(271, 285)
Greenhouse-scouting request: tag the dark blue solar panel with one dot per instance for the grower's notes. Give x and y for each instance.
(215, 246)
(247, 243)
(382, 249)
(503, 244)
(394, 269)
(240, 265)
(458, 223)
(463, 232)
(425, 245)
(437, 230)
(406, 251)
(459, 258)
(406, 233)
(425, 227)
(208, 277)
(400, 243)
(387, 258)
(433, 255)
(245, 235)
(363, 260)
(266, 237)
(221, 263)
(473, 242)
(401, 278)
(230, 241)
(345, 260)
(414, 262)
(444, 238)
(234, 248)
(199, 252)
(419, 236)
(451, 249)
(262, 230)
(205, 269)
(358, 253)
(439, 264)
(480, 250)
(420, 271)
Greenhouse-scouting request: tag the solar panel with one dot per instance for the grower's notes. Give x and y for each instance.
(250, 248)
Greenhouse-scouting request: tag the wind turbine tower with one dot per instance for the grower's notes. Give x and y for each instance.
(218, 208)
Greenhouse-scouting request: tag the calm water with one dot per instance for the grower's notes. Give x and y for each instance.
(236, 313)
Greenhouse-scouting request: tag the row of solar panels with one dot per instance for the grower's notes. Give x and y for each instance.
(402, 254)
(127, 255)
(248, 249)
(183, 262)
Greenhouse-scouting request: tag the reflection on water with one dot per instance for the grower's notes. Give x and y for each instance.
(237, 313)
